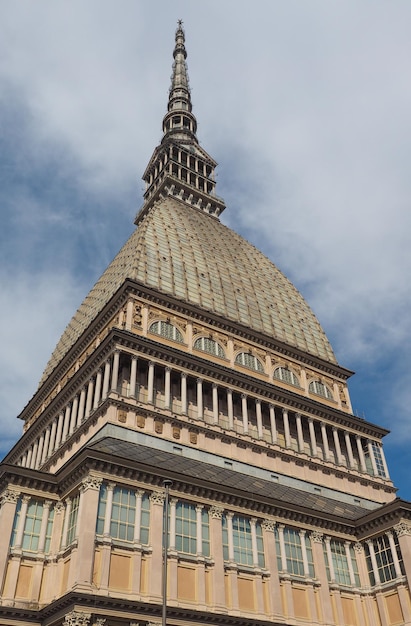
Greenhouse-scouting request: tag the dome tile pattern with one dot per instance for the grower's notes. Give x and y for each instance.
(185, 253)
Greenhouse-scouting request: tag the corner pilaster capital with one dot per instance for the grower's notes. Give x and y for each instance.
(402, 529)
(268, 524)
(358, 547)
(9, 495)
(316, 536)
(216, 512)
(157, 497)
(91, 482)
(75, 618)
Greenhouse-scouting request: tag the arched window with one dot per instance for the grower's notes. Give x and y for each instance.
(249, 360)
(167, 330)
(286, 375)
(205, 344)
(316, 386)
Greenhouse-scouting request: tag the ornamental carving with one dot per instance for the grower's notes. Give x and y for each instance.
(122, 416)
(268, 524)
(99, 621)
(75, 618)
(137, 315)
(316, 536)
(158, 427)
(176, 432)
(9, 496)
(141, 421)
(193, 437)
(216, 512)
(59, 507)
(402, 529)
(358, 547)
(91, 482)
(157, 497)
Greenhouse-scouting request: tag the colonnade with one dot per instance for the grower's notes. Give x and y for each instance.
(158, 385)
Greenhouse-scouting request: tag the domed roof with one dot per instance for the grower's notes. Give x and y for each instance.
(185, 253)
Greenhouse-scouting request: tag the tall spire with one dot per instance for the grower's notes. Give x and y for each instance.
(179, 100)
(180, 167)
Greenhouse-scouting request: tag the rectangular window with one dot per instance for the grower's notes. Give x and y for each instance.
(384, 559)
(186, 528)
(340, 563)
(242, 542)
(293, 552)
(123, 514)
(378, 459)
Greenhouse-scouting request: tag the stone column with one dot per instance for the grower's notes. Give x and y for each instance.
(46, 445)
(327, 541)
(287, 435)
(217, 571)
(300, 436)
(274, 437)
(370, 545)
(66, 521)
(229, 517)
(244, 411)
(183, 393)
(73, 416)
(167, 388)
(106, 380)
(199, 529)
(150, 383)
(109, 508)
(313, 441)
(59, 432)
(39, 451)
(372, 457)
(280, 529)
(97, 390)
(29, 456)
(43, 528)
(86, 525)
(325, 441)
(304, 553)
(22, 521)
(230, 411)
(34, 454)
(397, 567)
(215, 403)
(171, 540)
(259, 419)
(89, 400)
(361, 456)
(253, 523)
(384, 462)
(349, 449)
(349, 561)
(137, 518)
(337, 446)
(200, 412)
(133, 376)
(80, 414)
(66, 423)
(114, 375)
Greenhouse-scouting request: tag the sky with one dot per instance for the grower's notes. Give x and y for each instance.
(306, 106)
